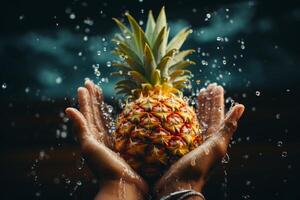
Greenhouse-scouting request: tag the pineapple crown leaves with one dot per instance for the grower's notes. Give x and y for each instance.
(147, 58)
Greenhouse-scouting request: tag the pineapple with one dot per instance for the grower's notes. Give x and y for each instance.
(157, 126)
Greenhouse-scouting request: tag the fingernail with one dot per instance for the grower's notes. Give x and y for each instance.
(80, 88)
(67, 111)
(87, 80)
(202, 90)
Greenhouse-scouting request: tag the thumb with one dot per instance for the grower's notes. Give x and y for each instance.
(79, 122)
(230, 122)
(227, 129)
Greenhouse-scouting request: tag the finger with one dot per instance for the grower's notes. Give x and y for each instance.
(100, 98)
(85, 105)
(79, 121)
(201, 108)
(95, 105)
(216, 116)
(201, 159)
(205, 99)
(230, 122)
(220, 140)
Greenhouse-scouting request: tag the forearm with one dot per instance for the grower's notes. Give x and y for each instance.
(119, 190)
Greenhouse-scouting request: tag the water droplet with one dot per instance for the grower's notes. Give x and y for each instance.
(257, 93)
(27, 89)
(109, 108)
(67, 181)
(220, 39)
(56, 180)
(108, 63)
(248, 183)
(85, 38)
(80, 163)
(99, 53)
(79, 53)
(63, 134)
(88, 22)
(284, 154)
(4, 85)
(277, 116)
(204, 62)
(79, 183)
(225, 159)
(247, 196)
(42, 155)
(72, 16)
(208, 15)
(279, 143)
(193, 162)
(58, 80)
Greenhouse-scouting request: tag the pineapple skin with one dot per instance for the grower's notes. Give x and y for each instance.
(154, 131)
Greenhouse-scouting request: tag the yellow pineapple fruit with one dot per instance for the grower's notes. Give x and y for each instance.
(157, 126)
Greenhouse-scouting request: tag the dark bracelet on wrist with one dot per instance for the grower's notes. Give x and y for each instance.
(181, 195)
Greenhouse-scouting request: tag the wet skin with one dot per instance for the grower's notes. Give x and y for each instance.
(120, 181)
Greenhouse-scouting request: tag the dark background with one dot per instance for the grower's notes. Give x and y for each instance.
(47, 48)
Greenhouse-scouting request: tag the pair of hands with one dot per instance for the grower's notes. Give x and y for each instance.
(189, 172)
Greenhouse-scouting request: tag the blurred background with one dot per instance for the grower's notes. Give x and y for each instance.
(48, 48)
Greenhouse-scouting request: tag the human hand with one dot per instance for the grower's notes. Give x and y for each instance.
(190, 171)
(95, 141)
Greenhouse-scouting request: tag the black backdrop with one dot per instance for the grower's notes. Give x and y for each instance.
(47, 48)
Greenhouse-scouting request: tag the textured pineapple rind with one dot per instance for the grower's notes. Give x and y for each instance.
(154, 131)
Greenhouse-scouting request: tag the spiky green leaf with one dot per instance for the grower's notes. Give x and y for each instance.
(179, 39)
(180, 84)
(137, 77)
(150, 27)
(131, 56)
(126, 83)
(179, 73)
(149, 62)
(155, 77)
(181, 65)
(181, 56)
(136, 33)
(122, 66)
(123, 28)
(157, 43)
(163, 67)
(160, 23)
